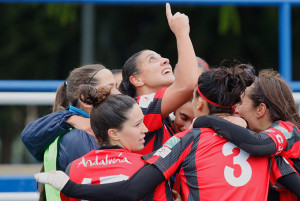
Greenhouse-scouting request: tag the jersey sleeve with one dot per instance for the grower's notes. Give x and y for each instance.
(136, 185)
(151, 107)
(278, 137)
(169, 157)
(267, 143)
(280, 167)
(37, 135)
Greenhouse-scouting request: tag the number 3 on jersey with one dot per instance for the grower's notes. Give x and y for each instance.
(241, 160)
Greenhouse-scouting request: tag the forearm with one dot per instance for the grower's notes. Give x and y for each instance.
(137, 187)
(187, 68)
(291, 182)
(251, 142)
(182, 89)
(37, 135)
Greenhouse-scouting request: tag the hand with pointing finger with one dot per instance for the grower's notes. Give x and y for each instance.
(179, 22)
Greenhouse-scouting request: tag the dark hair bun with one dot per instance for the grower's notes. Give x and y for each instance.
(93, 96)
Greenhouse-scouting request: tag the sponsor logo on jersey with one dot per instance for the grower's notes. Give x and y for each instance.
(145, 100)
(286, 133)
(106, 161)
(171, 142)
(163, 152)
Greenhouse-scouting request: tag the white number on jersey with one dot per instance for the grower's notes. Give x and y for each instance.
(241, 160)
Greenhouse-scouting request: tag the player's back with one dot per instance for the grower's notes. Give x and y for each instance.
(215, 169)
(112, 165)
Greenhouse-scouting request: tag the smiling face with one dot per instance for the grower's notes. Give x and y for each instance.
(155, 71)
(183, 117)
(246, 110)
(132, 134)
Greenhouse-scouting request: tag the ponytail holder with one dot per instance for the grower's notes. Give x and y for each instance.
(213, 103)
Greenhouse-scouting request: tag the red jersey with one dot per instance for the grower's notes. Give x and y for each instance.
(290, 152)
(211, 168)
(158, 133)
(112, 165)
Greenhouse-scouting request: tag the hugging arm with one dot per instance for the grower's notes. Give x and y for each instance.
(257, 144)
(37, 135)
(137, 187)
(291, 182)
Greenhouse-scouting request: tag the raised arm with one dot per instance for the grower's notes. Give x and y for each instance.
(257, 144)
(187, 70)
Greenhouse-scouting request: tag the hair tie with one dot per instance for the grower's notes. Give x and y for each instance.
(93, 76)
(213, 103)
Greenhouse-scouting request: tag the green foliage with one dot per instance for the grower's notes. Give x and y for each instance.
(64, 13)
(34, 46)
(229, 20)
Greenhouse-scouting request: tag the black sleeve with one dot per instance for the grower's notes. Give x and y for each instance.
(67, 171)
(137, 187)
(257, 144)
(291, 182)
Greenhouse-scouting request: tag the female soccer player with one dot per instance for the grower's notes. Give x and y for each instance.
(270, 110)
(117, 122)
(58, 152)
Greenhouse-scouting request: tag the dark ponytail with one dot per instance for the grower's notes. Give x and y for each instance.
(61, 99)
(130, 68)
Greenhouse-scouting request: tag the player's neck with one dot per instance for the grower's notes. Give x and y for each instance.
(222, 115)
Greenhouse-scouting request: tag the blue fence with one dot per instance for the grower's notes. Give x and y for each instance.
(17, 183)
(30, 85)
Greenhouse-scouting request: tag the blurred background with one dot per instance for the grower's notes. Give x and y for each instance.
(42, 41)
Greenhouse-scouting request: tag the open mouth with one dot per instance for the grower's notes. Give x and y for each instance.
(167, 71)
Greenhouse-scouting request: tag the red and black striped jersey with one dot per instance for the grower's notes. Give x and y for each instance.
(290, 152)
(112, 165)
(211, 168)
(158, 133)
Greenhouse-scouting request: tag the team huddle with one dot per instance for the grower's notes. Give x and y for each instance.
(200, 133)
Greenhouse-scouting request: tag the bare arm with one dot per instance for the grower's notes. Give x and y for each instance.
(187, 70)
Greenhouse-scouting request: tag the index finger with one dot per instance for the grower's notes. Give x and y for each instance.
(168, 11)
